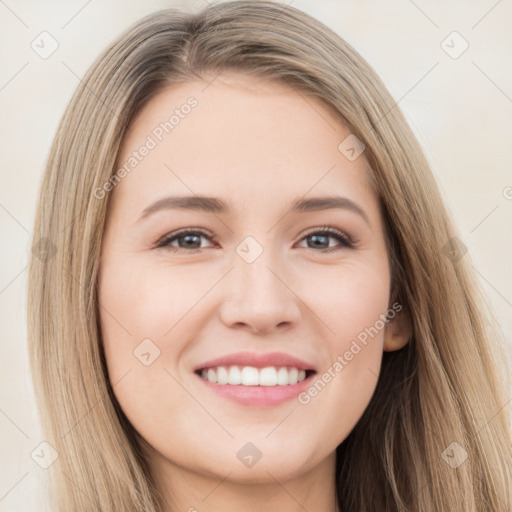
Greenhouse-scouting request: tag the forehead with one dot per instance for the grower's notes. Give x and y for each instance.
(239, 136)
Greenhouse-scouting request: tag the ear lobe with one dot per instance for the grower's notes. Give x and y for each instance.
(398, 331)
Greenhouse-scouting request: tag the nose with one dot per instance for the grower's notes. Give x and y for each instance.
(259, 296)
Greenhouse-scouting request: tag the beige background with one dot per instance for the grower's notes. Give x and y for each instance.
(460, 109)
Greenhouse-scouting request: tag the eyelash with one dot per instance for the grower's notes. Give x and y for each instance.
(346, 241)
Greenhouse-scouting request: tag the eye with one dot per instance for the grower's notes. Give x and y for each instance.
(320, 237)
(189, 240)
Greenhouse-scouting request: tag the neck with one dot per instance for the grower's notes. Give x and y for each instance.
(182, 489)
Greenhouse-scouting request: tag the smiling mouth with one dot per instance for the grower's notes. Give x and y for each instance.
(237, 375)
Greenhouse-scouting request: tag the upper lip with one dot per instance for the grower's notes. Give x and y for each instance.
(257, 361)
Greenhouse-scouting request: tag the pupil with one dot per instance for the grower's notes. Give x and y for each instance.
(317, 237)
(189, 238)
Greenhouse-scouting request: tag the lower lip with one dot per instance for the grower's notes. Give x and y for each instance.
(258, 395)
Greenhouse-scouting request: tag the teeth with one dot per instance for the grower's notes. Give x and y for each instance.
(268, 376)
(250, 376)
(235, 375)
(222, 375)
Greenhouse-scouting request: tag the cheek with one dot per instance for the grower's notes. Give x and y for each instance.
(350, 304)
(143, 317)
(145, 302)
(149, 314)
(347, 300)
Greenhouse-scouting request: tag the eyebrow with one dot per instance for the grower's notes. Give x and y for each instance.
(218, 206)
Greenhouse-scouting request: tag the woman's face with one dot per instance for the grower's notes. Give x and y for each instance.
(253, 276)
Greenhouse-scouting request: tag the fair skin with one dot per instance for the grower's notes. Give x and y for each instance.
(257, 146)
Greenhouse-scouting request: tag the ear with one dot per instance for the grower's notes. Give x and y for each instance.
(398, 331)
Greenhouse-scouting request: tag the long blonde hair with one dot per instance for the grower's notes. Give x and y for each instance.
(438, 397)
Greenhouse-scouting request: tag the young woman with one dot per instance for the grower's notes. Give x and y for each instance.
(246, 292)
